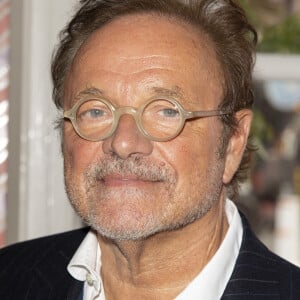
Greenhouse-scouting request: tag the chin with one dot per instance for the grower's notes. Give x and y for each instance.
(123, 233)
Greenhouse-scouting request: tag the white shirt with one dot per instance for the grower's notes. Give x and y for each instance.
(209, 284)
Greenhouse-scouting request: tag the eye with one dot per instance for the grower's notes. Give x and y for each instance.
(91, 114)
(161, 111)
(169, 112)
(94, 113)
(93, 110)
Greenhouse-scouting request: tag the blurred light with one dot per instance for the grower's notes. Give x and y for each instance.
(283, 94)
(3, 156)
(3, 120)
(3, 106)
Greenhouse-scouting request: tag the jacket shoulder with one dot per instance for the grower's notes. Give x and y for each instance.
(260, 273)
(38, 267)
(32, 250)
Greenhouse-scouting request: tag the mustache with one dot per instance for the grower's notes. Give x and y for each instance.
(139, 167)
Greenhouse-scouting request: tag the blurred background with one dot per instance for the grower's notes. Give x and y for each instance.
(32, 198)
(270, 198)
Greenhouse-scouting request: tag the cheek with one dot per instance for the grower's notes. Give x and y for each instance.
(78, 153)
(194, 150)
(182, 158)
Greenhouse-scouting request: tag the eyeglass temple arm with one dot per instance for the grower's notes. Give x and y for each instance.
(203, 114)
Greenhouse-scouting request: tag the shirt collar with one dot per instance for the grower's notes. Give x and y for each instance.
(85, 265)
(209, 284)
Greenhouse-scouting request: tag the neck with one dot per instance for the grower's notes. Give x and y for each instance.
(161, 266)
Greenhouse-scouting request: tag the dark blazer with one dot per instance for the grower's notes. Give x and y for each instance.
(36, 270)
(260, 274)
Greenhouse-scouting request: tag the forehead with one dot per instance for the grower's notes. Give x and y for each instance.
(144, 44)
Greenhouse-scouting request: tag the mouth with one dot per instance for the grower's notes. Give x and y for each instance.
(119, 180)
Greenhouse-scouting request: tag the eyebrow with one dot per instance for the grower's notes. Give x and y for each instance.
(90, 91)
(175, 92)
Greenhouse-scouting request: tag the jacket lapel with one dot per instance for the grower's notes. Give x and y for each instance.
(255, 275)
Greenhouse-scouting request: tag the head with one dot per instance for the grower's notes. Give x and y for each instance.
(122, 50)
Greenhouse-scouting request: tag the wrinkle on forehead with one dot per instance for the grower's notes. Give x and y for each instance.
(132, 64)
(131, 49)
(143, 57)
(128, 29)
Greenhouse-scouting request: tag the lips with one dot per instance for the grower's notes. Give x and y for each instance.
(125, 180)
(132, 171)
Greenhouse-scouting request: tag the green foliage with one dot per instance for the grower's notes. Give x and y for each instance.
(261, 129)
(282, 38)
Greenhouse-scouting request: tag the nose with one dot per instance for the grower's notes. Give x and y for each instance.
(127, 139)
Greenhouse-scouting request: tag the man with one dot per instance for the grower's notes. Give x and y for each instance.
(156, 98)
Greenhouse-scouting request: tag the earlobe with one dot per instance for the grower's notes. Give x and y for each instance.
(237, 144)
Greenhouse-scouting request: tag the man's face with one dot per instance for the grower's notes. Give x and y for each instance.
(128, 187)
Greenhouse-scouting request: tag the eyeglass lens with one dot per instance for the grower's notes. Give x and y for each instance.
(159, 119)
(94, 119)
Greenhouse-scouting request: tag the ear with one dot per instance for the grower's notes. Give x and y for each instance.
(237, 144)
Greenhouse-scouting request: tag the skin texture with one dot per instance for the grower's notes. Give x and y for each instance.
(158, 207)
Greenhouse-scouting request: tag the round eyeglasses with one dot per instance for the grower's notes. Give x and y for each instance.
(158, 119)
